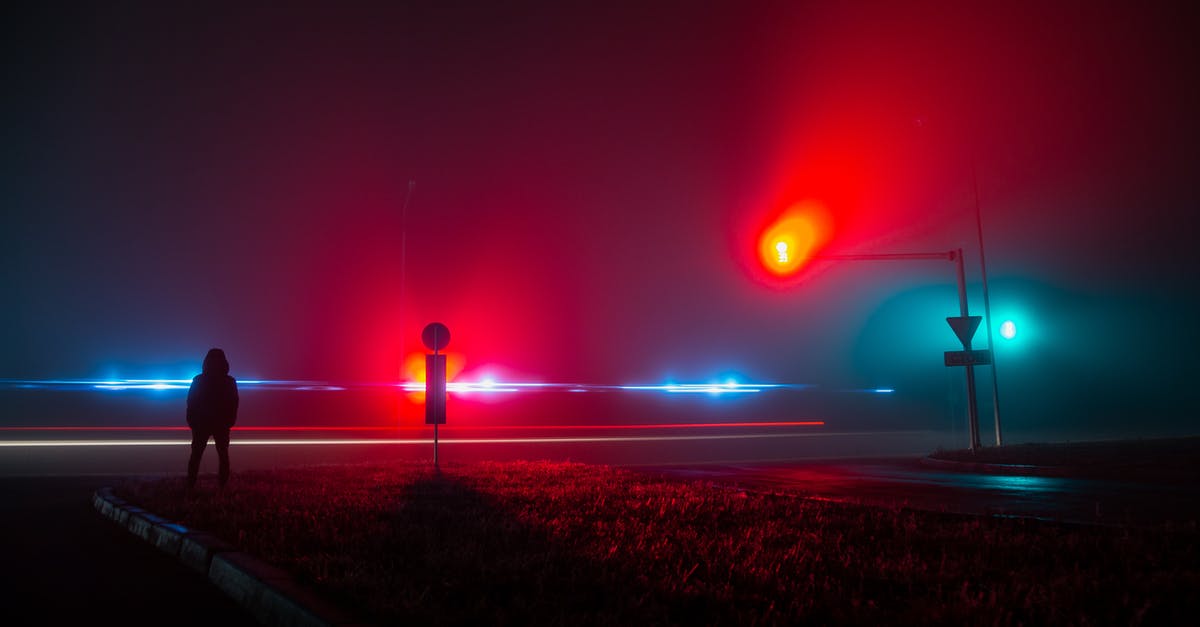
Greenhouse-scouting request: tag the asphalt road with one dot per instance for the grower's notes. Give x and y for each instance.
(906, 482)
(65, 565)
(66, 452)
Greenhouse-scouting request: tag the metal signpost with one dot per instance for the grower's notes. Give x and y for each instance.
(964, 327)
(435, 337)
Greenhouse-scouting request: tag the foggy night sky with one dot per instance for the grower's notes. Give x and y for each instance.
(590, 183)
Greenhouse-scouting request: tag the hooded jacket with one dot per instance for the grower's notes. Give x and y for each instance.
(213, 398)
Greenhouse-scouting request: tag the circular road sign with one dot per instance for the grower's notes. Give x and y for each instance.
(435, 336)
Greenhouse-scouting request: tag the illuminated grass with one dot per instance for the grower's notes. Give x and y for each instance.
(559, 543)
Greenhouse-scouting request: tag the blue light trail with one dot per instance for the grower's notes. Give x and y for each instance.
(460, 388)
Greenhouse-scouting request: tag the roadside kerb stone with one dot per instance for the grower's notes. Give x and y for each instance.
(168, 537)
(142, 524)
(106, 503)
(245, 580)
(125, 512)
(198, 549)
(1000, 469)
(270, 593)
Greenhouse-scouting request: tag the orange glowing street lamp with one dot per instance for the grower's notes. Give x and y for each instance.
(791, 240)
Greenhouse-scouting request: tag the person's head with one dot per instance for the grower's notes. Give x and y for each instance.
(215, 362)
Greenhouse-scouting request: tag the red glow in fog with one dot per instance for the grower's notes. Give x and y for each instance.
(792, 239)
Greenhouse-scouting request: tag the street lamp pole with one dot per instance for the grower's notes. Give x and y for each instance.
(987, 307)
(957, 257)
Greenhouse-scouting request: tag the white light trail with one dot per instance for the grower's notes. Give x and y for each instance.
(412, 441)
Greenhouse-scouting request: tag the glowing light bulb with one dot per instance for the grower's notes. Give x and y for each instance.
(793, 238)
(1008, 329)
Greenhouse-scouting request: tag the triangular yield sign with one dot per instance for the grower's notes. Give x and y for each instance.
(964, 327)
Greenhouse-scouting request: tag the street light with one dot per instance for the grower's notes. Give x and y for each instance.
(987, 305)
(789, 242)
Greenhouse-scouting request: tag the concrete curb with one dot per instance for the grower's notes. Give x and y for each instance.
(1000, 469)
(270, 594)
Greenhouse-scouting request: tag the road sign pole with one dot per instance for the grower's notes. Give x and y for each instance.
(435, 425)
(987, 306)
(972, 410)
(435, 336)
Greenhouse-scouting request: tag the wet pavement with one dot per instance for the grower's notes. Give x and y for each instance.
(906, 482)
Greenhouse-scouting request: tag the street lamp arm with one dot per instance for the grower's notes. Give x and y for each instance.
(946, 256)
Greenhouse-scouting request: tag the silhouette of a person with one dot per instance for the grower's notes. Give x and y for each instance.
(211, 411)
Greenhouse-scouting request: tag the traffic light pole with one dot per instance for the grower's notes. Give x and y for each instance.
(957, 257)
(987, 307)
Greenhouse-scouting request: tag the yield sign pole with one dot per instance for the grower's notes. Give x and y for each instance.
(972, 409)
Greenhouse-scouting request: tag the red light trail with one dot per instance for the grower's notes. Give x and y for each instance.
(670, 425)
(413, 441)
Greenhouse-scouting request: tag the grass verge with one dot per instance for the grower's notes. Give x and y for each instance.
(565, 544)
